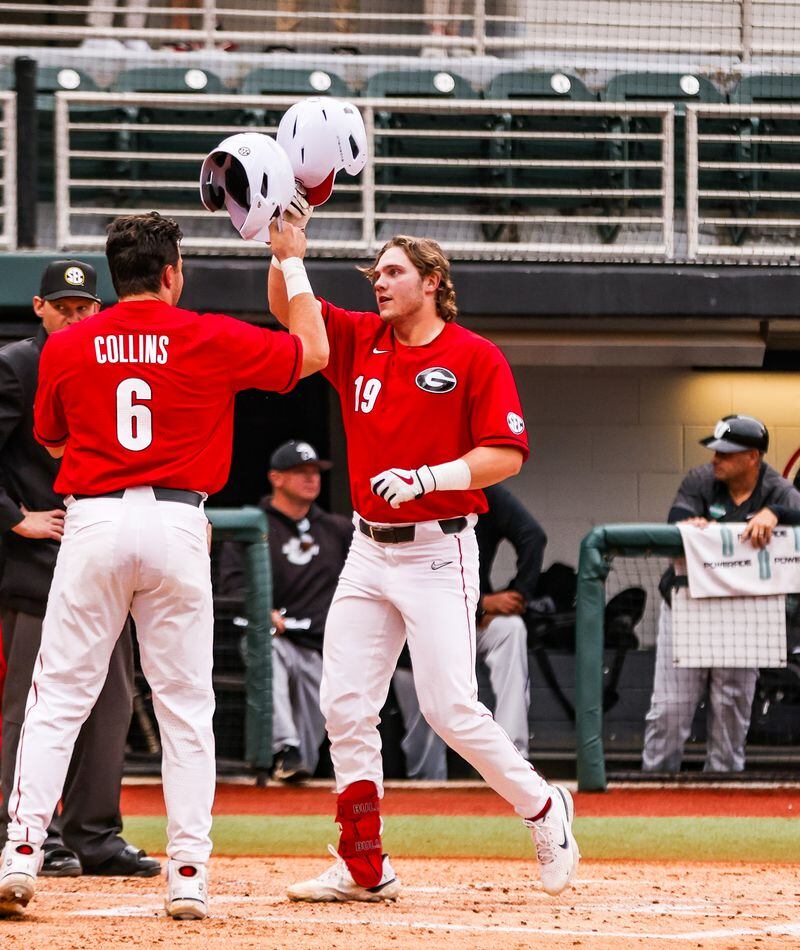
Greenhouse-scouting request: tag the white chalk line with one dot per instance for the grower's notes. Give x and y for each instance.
(377, 923)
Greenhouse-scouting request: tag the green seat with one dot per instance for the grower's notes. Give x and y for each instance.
(276, 81)
(432, 149)
(677, 88)
(768, 89)
(52, 79)
(219, 122)
(547, 86)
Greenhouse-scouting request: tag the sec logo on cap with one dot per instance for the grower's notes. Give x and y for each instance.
(75, 277)
(515, 423)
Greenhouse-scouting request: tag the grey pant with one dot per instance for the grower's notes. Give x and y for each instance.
(503, 646)
(90, 821)
(296, 717)
(676, 693)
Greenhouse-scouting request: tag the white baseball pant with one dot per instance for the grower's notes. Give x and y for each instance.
(503, 646)
(150, 558)
(426, 590)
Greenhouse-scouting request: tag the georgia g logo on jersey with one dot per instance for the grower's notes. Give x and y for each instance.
(437, 379)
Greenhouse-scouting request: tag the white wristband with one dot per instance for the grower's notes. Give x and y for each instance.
(276, 263)
(451, 476)
(294, 273)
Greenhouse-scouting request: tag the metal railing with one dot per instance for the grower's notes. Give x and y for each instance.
(8, 170)
(746, 206)
(477, 197)
(733, 28)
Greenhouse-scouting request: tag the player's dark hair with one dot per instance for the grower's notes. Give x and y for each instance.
(138, 248)
(428, 258)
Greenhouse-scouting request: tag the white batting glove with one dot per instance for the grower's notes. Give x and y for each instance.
(299, 210)
(398, 485)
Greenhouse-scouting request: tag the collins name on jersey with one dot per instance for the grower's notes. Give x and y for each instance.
(131, 348)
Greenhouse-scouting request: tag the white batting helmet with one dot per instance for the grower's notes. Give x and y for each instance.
(322, 136)
(250, 175)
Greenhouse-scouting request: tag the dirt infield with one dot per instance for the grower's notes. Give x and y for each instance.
(456, 903)
(232, 799)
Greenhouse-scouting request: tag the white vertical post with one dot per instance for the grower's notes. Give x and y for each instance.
(692, 199)
(368, 235)
(61, 145)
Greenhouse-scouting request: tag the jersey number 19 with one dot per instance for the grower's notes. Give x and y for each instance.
(134, 420)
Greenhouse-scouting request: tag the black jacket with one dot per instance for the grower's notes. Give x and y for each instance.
(307, 557)
(701, 495)
(508, 519)
(27, 473)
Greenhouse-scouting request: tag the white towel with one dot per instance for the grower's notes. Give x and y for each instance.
(720, 565)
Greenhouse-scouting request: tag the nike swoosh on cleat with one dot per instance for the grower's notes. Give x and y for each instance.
(379, 887)
(565, 845)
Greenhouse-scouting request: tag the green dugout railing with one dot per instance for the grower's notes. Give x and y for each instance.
(249, 526)
(598, 549)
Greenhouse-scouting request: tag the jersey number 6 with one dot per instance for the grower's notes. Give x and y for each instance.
(134, 421)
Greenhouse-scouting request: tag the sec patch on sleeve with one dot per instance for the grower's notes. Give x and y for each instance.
(515, 423)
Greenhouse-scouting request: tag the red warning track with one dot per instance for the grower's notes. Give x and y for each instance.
(644, 802)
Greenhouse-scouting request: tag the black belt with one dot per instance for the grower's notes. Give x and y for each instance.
(389, 535)
(161, 494)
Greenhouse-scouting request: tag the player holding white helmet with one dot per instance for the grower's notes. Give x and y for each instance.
(250, 175)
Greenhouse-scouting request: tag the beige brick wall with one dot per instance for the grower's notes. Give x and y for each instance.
(611, 445)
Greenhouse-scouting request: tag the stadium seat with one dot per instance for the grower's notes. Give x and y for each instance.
(549, 86)
(677, 88)
(52, 79)
(289, 82)
(767, 89)
(220, 122)
(427, 147)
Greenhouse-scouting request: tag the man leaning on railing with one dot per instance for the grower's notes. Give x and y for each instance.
(737, 485)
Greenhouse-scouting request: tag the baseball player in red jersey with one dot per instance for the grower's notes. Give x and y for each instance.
(139, 401)
(432, 416)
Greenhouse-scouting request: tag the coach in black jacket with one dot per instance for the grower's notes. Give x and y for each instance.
(86, 837)
(307, 550)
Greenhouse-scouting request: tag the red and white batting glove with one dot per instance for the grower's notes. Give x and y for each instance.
(398, 485)
(299, 210)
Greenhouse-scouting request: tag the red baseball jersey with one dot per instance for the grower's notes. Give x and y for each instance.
(407, 406)
(143, 393)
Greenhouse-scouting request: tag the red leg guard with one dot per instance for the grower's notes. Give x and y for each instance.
(358, 812)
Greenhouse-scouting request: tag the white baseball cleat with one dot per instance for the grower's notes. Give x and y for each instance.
(19, 865)
(187, 891)
(556, 847)
(337, 884)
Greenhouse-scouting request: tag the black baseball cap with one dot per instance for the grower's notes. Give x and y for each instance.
(738, 434)
(293, 453)
(69, 279)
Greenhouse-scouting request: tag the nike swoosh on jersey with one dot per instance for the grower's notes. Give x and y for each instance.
(438, 565)
(378, 352)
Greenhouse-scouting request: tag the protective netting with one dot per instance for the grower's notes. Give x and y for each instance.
(707, 703)
(579, 128)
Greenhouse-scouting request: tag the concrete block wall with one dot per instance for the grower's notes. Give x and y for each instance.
(611, 445)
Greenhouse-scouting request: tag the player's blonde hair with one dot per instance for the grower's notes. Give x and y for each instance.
(427, 258)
